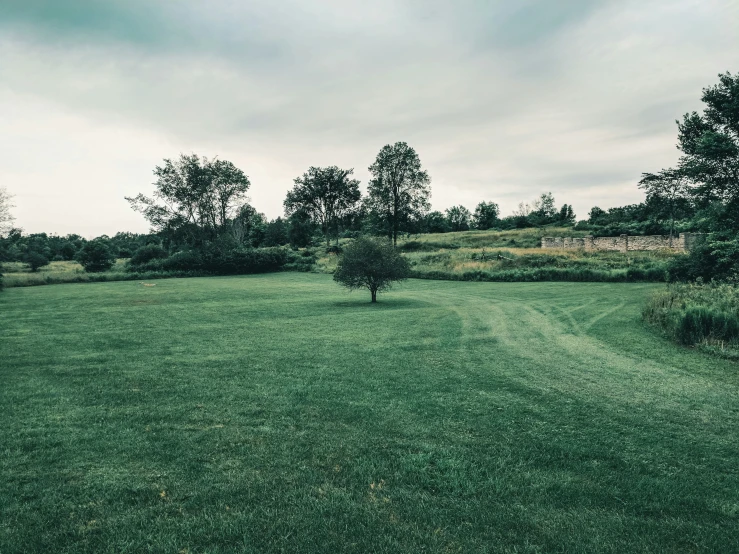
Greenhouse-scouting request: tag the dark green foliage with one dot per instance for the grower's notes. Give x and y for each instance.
(458, 218)
(148, 253)
(300, 229)
(36, 260)
(275, 233)
(398, 192)
(486, 215)
(426, 246)
(327, 195)
(715, 258)
(230, 262)
(95, 256)
(566, 215)
(435, 222)
(373, 264)
(334, 249)
(188, 260)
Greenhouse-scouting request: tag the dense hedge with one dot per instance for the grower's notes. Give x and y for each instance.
(234, 262)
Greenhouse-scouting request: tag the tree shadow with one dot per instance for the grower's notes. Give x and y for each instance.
(381, 304)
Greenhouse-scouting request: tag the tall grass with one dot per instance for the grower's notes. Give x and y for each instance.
(696, 314)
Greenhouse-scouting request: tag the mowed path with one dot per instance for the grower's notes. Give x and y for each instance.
(278, 413)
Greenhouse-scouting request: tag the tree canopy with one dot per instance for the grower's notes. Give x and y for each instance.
(399, 188)
(709, 143)
(199, 195)
(326, 194)
(486, 215)
(458, 218)
(371, 263)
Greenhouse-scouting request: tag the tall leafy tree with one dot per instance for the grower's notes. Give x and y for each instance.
(566, 214)
(486, 215)
(399, 189)
(327, 194)
(199, 196)
(710, 146)
(458, 218)
(667, 192)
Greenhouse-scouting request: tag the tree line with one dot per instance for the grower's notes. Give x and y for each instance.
(201, 205)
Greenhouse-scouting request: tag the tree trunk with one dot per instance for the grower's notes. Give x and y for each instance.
(374, 295)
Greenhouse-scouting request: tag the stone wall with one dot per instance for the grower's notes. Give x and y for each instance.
(624, 243)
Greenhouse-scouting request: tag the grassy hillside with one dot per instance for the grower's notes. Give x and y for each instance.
(278, 413)
(515, 238)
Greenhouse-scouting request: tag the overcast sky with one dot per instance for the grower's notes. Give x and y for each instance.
(502, 100)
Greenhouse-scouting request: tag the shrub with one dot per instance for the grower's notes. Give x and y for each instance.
(334, 249)
(182, 261)
(36, 260)
(716, 258)
(148, 253)
(373, 264)
(95, 257)
(697, 314)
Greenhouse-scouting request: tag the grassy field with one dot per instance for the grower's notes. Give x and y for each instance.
(278, 413)
(17, 274)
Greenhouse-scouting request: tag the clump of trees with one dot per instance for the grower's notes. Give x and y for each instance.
(327, 195)
(371, 263)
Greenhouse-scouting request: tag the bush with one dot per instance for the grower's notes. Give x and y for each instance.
(716, 258)
(35, 261)
(697, 314)
(148, 253)
(231, 262)
(418, 246)
(373, 264)
(182, 261)
(95, 257)
(334, 249)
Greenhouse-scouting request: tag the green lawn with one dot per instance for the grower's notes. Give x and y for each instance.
(278, 413)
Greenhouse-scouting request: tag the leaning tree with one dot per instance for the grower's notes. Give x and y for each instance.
(371, 263)
(399, 189)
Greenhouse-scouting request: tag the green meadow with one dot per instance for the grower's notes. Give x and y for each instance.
(279, 413)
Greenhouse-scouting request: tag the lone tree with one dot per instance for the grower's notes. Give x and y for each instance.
(371, 263)
(326, 194)
(399, 189)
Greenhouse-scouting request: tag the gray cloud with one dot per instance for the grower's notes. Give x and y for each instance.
(503, 100)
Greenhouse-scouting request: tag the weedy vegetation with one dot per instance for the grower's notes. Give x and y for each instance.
(697, 314)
